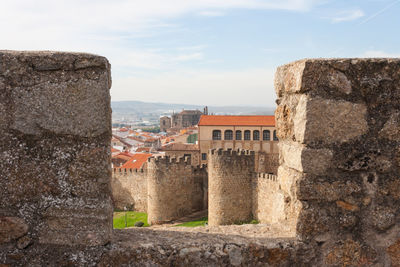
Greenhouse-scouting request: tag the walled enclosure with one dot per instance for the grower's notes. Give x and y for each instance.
(338, 121)
(175, 188)
(129, 189)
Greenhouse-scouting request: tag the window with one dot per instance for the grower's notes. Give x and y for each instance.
(203, 156)
(238, 135)
(256, 135)
(228, 135)
(266, 135)
(187, 155)
(163, 122)
(247, 135)
(275, 137)
(216, 135)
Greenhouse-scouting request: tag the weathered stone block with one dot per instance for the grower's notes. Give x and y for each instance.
(304, 159)
(55, 146)
(391, 129)
(12, 228)
(329, 121)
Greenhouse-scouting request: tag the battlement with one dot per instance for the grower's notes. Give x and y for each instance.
(231, 152)
(129, 170)
(169, 159)
(268, 176)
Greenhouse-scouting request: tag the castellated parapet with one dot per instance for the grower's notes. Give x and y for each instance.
(55, 132)
(173, 184)
(268, 199)
(230, 186)
(129, 189)
(338, 122)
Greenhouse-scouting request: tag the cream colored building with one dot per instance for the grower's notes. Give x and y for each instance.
(255, 133)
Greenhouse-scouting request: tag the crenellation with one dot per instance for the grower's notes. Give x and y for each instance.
(230, 186)
(175, 189)
(129, 189)
(336, 192)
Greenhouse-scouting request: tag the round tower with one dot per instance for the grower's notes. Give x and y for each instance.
(230, 186)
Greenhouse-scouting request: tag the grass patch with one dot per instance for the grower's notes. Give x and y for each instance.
(131, 218)
(199, 222)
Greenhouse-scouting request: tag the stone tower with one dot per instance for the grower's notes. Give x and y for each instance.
(230, 186)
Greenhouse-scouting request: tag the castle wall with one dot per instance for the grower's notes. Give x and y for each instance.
(338, 122)
(129, 189)
(195, 155)
(55, 136)
(230, 186)
(339, 126)
(173, 189)
(268, 199)
(267, 162)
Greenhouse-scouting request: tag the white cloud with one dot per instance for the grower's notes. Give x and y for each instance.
(108, 27)
(187, 57)
(209, 13)
(348, 15)
(246, 87)
(379, 54)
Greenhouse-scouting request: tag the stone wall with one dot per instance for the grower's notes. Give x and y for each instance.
(55, 133)
(129, 189)
(338, 122)
(339, 126)
(230, 186)
(268, 199)
(174, 188)
(267, 162)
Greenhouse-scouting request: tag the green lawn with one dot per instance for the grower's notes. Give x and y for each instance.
(132, 217)
(199, 222)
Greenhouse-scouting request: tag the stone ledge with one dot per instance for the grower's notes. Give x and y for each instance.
(146, 247)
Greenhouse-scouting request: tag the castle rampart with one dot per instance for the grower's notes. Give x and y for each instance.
(339, 126)
(230, 186)
(129, 189)
(173, 184)
(338, 123)
(55, 132)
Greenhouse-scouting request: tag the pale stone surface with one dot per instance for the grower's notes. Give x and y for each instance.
(55, 146)
(305, 159)
(329, 121)
(348, 109)
(391, 129)
(289, 78)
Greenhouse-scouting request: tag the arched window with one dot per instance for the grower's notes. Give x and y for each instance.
(247, 135)
(228, 135)
(216, 135)
(238, 135)
(275, 137)
(256, 135)
(266, 135)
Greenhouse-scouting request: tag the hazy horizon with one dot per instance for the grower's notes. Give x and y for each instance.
(200, 51)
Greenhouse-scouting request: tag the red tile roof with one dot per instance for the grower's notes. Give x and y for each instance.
(136, 161)
(228, 120)
(123, 155)
(143, 149)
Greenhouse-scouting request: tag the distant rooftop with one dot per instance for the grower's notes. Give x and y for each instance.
(229, 120)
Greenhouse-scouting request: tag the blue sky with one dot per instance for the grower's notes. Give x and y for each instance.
(207, 52)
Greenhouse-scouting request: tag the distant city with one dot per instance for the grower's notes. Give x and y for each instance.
(138, 114)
